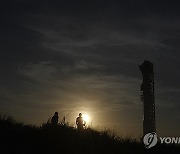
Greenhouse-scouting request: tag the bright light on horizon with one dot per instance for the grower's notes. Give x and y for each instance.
(86, 118)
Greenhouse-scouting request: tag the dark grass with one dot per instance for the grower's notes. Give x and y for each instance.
(16, 137)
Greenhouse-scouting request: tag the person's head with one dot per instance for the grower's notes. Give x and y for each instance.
(56, 113)
(80, 114)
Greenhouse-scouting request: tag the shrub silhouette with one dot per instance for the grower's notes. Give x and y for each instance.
(16, 137)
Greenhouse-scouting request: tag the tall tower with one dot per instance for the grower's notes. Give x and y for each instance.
(147, 97)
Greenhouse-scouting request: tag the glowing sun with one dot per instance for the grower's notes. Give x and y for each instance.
(86, 118)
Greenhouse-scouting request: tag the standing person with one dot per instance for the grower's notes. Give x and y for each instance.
(80, 122)
(55, 118)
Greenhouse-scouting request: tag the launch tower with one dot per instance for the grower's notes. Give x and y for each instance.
(147, 97)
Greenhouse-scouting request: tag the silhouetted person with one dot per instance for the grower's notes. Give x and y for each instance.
(80, 122)
(55, 118)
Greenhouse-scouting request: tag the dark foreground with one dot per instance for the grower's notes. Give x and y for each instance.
(15, 137)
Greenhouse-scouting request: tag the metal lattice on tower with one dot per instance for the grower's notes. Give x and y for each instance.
(147, 97)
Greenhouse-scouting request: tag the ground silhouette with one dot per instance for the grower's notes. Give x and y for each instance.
(16, 137)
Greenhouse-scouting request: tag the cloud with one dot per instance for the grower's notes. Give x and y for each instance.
(39, 72)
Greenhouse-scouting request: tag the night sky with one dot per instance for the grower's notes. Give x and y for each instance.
(76, 56)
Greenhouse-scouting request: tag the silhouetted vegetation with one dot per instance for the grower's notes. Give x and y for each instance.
(16, 137)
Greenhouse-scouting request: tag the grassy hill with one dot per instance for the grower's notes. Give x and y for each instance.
(16, 137)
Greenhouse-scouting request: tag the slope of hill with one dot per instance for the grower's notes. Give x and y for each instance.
(16, 137)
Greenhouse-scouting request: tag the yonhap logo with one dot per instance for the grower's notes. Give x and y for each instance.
(150, 140)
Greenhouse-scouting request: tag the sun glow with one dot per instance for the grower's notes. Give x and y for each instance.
(86, 118)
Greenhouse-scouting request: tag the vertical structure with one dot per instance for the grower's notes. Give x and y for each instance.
(147, 97)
